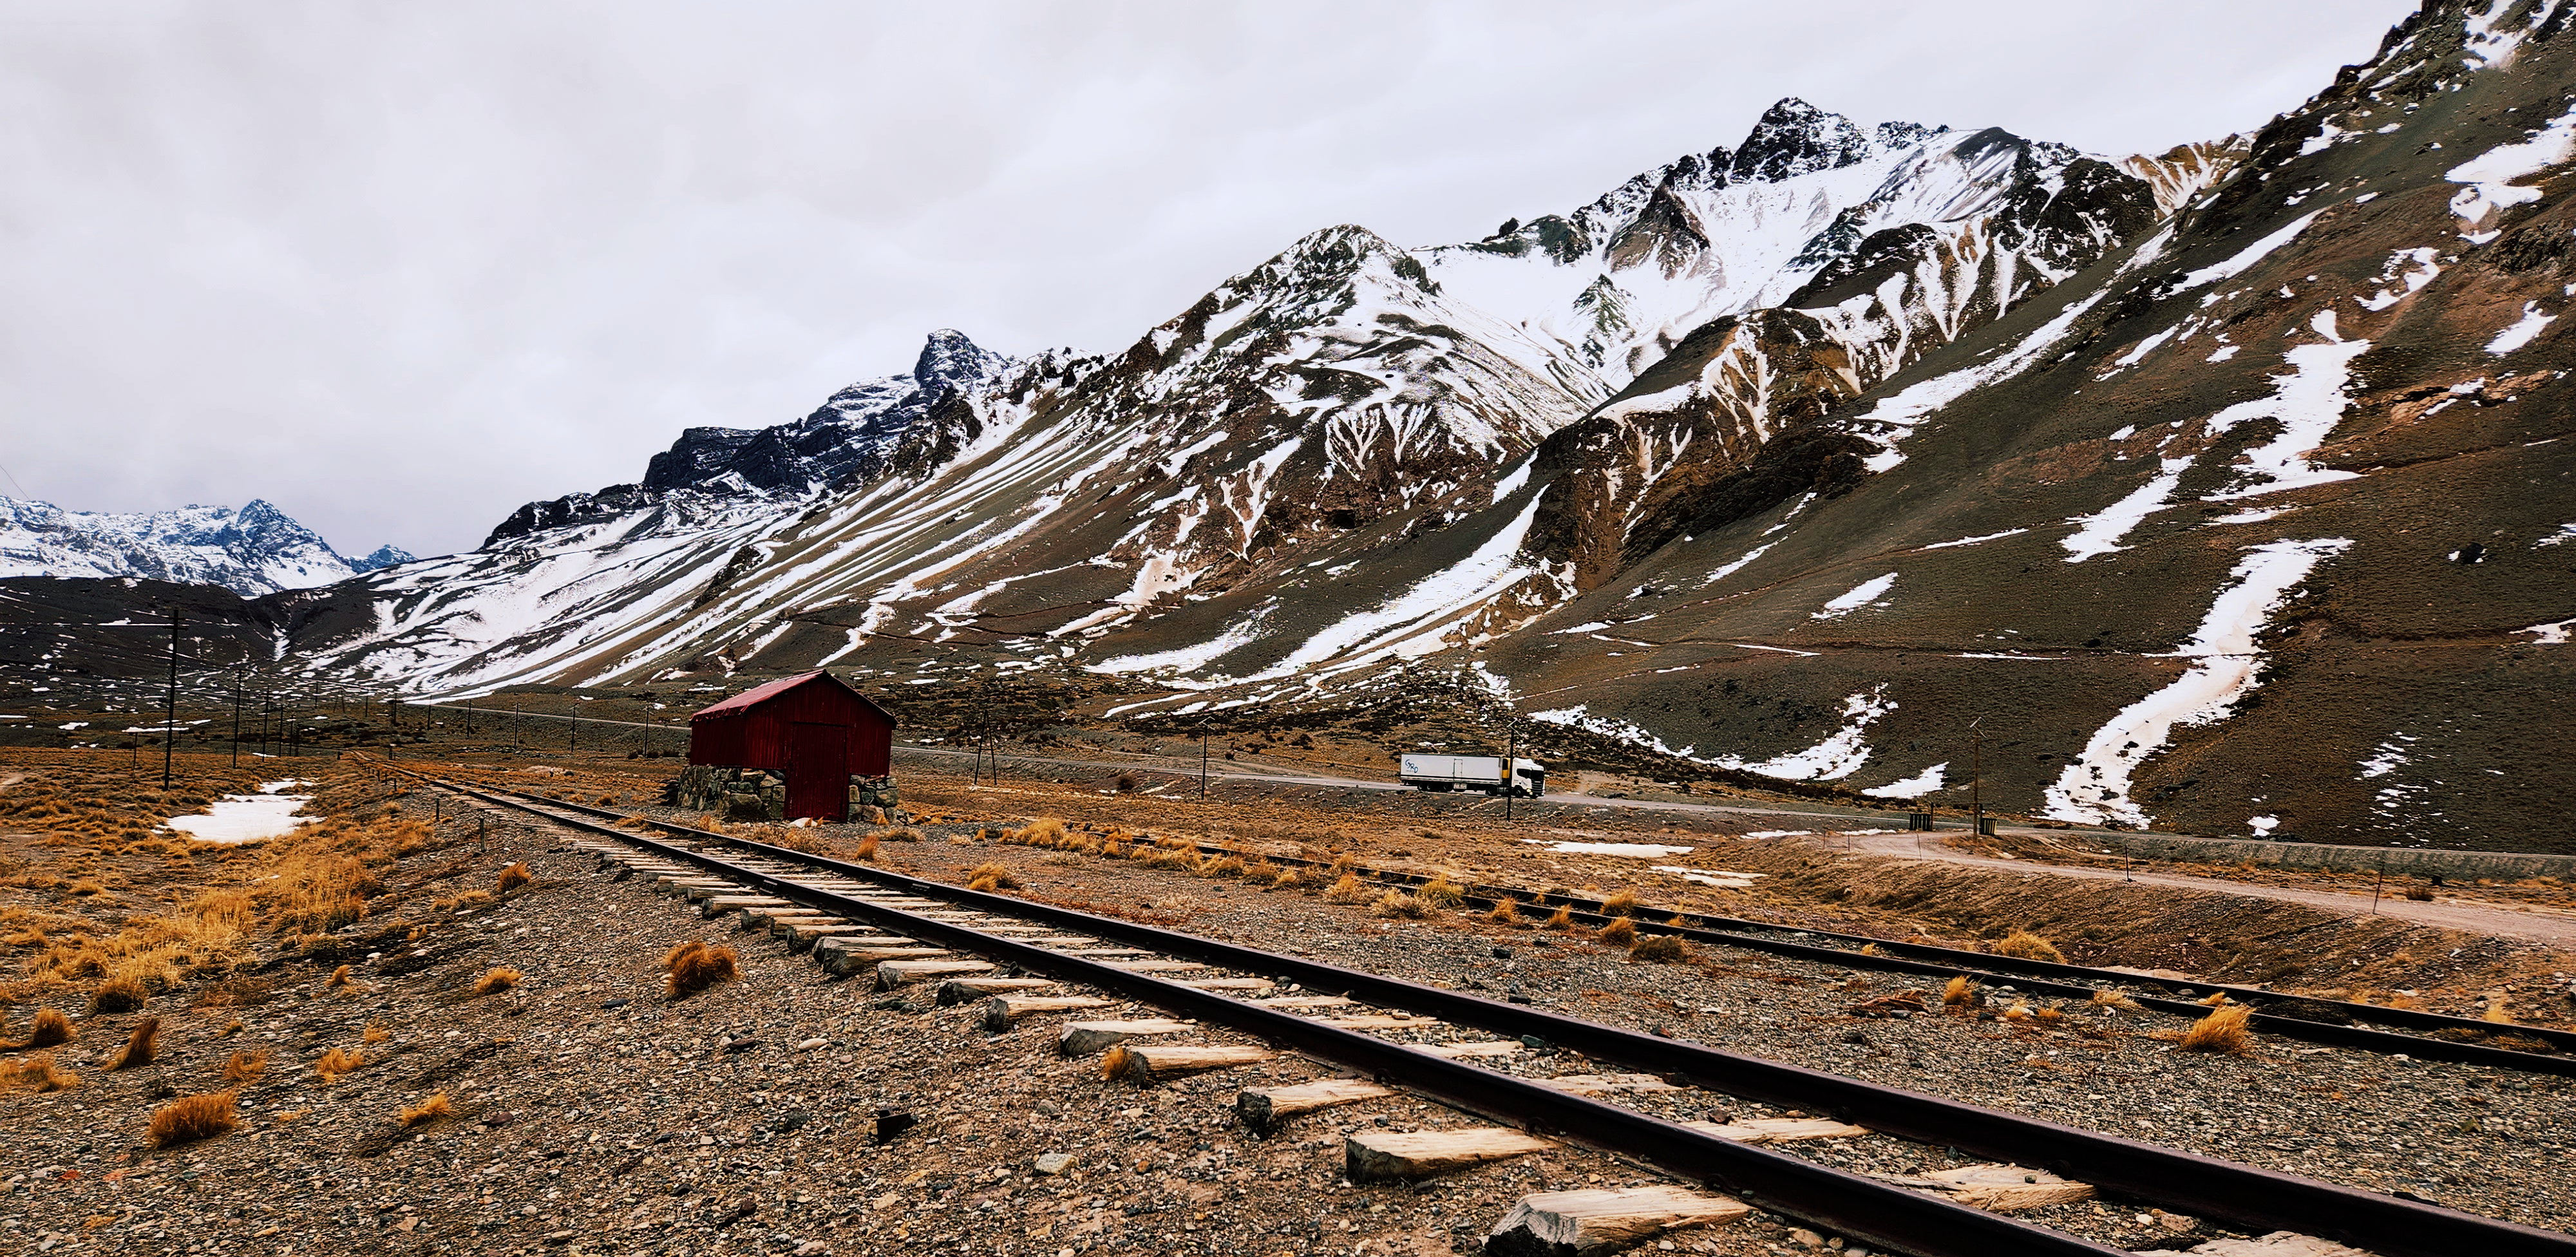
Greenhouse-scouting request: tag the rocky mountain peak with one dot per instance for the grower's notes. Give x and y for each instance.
(949, 360)
(1794, 138)
(255, 550)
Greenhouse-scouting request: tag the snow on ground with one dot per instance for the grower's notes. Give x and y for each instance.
(240, 818)
(1639, 850)
(2246, 257)
(2095, 786)
(1861, 595)
(1896, 416)
(2554, 634)
(2387, 757)
(2100, 533)
(1914, 787)
(2523, 332)
(2490, 176)
(2309, 402)
(1186, 658)
(1837, 757)
(1971, 541)
(1720, 878)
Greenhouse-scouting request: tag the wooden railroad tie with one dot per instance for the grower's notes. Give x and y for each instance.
(1590, 1222)
(1779, 1130)
(895, 973)
(1082, 1038)
(1002, 1010)
(1382, 1155)
(1264, 1107)
(1145, 1064)
(2000, 1188)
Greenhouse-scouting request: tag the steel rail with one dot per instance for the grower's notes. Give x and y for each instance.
(2245, 1196)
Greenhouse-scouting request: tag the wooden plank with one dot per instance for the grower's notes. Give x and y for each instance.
(2001, 1188)
(1379, 1021)
(858, 959)
(1227, 984)
(1082, 1038)
(1103, 951)
(1590, 1222)
(1264, 1107)
(1300, 1001)
(1456, 1051)
(1143, 1063)
(968, 990)
(1001, 1010)
(895, 973)
(1608, 1084)
(1154, 966)
(2277, 1244)
(1382, 1155)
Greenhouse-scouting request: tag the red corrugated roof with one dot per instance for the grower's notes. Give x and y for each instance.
(761, 693)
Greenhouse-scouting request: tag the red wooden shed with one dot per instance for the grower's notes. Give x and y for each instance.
(812, 729)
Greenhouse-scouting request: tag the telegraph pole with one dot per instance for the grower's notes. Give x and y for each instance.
(1511, 765)
(1976, 777)
(237, 682)
(1203, 761)
(170, 710)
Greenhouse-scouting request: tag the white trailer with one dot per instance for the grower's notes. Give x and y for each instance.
(1471, 772)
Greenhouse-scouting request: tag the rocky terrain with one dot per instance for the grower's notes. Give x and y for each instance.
(2217, 489)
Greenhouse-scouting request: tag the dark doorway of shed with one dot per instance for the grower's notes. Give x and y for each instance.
(818, 771)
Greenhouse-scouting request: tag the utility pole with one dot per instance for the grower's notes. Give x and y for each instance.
(1976, 777)
(237, 682)
(1511, 765)
(170, 710)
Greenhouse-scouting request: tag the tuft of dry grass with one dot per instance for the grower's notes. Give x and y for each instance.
(2496, 1010)
(2024, 945)
(867, 850)
(2420, 894)
(51, 1029)
(1621, 932)
(1622, 904)
(336, 1062)
(1113, 1064)
(246, 1066)
(1442, 893)
(339, 978)
(1042, 832)
(512, 878)
(695, 966)
(496, 979)
(1396, 903)
(191, 1118)
(375, 1034)
(1660, 949)
(1506, 911)
(36, 1073)
(2108, 998)
(1223, 866)
(1562, 920)
(1348, 890)
(2221, 1031)
(905, 833)
(428, 1110)
(140, 1046)
(2213, 1000)
(989, 876)
(1958, 992)
(121, 995)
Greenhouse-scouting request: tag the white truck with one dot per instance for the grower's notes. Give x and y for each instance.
(1471, 772)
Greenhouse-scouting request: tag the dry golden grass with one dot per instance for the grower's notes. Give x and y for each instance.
(36, 1073)
(1222, 866)
(120, 995)
(2024, 945)
(695, 966)
(2221, 1031)
(339, 978)
(246, 1066)
(1958, 992)
(2108, 998)
(140, 1046)
(1350, 889)
(375, 1034)
(1621, 932)
(1043, 831)
(1661, 949)
(1442, 893)
(1621, 904)
(336, 1062)
(2496, 1010)
(434, 1107)
(1396, 903)
(1506, 911)
(2213, 999)
(191, 1118)
(907, 833)
(1114, 1063)
(51, 1028)
(512, 878)
(867, 849)
(496, 979)
(989, 876)
(2420, 894)
(1562, 920)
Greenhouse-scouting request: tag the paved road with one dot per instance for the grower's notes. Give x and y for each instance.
(2543, 925)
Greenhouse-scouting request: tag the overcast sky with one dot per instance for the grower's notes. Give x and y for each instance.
(399, 268)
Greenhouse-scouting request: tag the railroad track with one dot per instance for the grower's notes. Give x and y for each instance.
(2329, 1022)
(907, 931)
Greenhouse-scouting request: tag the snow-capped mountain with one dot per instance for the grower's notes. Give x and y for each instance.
(254, 550)
(2224, 484)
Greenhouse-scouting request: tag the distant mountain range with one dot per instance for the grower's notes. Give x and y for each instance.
(255, 550)
(2222, 488)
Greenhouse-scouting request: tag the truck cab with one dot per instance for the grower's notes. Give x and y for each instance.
(1529, 778)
